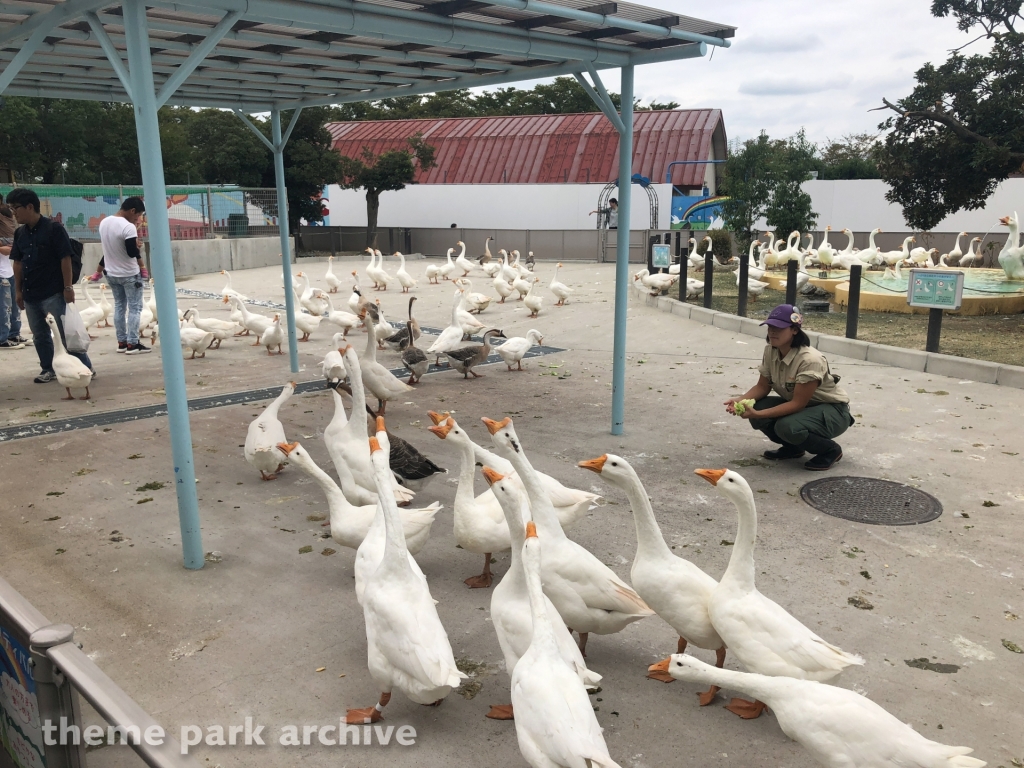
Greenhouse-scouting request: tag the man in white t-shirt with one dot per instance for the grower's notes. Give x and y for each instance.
(122, 263)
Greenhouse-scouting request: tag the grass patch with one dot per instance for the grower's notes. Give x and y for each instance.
(154, 486)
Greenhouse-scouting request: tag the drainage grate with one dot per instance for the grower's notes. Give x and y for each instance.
(873, 501)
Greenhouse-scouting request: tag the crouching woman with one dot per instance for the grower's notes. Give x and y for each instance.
(809, 408)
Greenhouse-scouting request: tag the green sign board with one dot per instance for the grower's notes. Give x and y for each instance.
(935, 288)
(661, 256)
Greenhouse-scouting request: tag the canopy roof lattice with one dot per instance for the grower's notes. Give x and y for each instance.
(256, 54)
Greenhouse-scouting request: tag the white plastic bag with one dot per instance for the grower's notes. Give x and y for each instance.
(75, 334)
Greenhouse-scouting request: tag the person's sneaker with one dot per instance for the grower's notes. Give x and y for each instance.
(11, 344)
(785, 452)
(20, 340)
(45, 377)
(824, 461)
(95, 277)
(122, 346)
(137, 349)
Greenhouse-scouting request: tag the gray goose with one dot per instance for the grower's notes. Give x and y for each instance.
(400, 340)
(465, 359)
(413, 358)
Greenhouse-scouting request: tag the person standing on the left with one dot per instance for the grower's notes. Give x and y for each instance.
(41, 255)
(10, 314)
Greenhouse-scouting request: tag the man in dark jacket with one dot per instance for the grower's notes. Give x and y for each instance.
(41, 255)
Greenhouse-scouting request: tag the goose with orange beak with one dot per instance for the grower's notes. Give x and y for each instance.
(381, 382)
(675, 588)
(264, 436)
(510, 601)
(345, 439)
(407, 646)
(570, 503)
(840, 728)
(479, 527)
(555, 721)
(586, 592)
(759, 632)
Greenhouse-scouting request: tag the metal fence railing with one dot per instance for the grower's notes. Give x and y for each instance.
(195, 212)
(42, 673)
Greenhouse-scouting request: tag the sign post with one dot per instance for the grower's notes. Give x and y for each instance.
(661, 255)
(936, 290)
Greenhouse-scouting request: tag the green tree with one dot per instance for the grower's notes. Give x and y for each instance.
(763, 180)
(225, 151)
(960, 131)
(310, 164)
(852, 157)
(388, 172)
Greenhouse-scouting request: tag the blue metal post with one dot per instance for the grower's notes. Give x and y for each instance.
(282, 225)
(148, 130)
(622, 253)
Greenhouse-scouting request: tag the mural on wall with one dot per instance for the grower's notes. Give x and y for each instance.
(697, 213)
(82, 210)
(21, 736)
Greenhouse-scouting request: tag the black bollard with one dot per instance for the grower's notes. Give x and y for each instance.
(741, 308)
(934, 330)
(709, 277)
(853, 305)
(682, 265)
(791, 270)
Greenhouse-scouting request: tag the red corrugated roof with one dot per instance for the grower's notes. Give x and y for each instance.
(546, 149)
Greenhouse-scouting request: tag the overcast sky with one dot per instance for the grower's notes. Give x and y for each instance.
(816, 64)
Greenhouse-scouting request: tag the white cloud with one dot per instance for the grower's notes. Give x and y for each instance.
(791, 86)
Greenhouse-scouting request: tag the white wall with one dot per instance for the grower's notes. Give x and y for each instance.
(491, 206)
(861, 206)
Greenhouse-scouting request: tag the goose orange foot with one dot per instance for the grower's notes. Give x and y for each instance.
(748, 710)
(708, 696)
(363, 716)
(501, 712)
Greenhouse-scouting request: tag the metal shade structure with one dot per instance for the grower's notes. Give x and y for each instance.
(259, 56)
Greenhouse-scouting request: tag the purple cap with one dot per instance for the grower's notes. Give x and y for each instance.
(783, 316)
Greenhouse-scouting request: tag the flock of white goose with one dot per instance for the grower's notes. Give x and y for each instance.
(555, 587)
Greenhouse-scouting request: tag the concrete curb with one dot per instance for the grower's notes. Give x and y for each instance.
(896, 357)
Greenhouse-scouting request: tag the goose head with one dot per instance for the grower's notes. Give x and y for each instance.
(505, 492)
(682, 666)
(535, 336)
(438, 418)
(449, 429)
(730, 484)
(296, 453)
(615, 469)
(503, 434)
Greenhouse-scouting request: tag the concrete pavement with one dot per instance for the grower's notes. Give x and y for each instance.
(246, 635)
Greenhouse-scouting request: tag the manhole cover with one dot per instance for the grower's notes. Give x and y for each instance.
(868, 500)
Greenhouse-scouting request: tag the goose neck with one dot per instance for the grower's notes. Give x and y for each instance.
(464, 494)
(649, 540)
(371, 339)
(543, 632)
(540, 503)
(741, 563)
(339, 505)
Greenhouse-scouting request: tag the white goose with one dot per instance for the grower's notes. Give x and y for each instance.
(1011, 256)
(227, 290)
(451, 336)
(265, 434)
(570, 504)
(344, 320)
(383, 276)
(92, 313)
(754, 272)
(105, 305)
(407, 647)
(675, 588)
(587, 593)
(431, 273)
(381, 382)
(694, 288)
(514, 349)
(333, 281)
(404, 278)
(956, 253)
(461, 261)
(382, 329)
(760, 633)
(840, 728)
(555, 722)
(502, 287)
(309, 299)
(274, 336)
(371, 269)
(467, 321)
(533, 300)
(71, 372)
(522, 285)
(507, 270)
(448, 268)
(471, 300)
(346, 440)
(252, 322)
(826, 253)
(900, 254)
(658, 283)
(350, 523)
(972, 254)
(791, 251)
(480, 526)
(356, 300)
(561, 290)
(849, 257)
(221, 329)
(194, 338)
(510, 601)
(307, 323)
